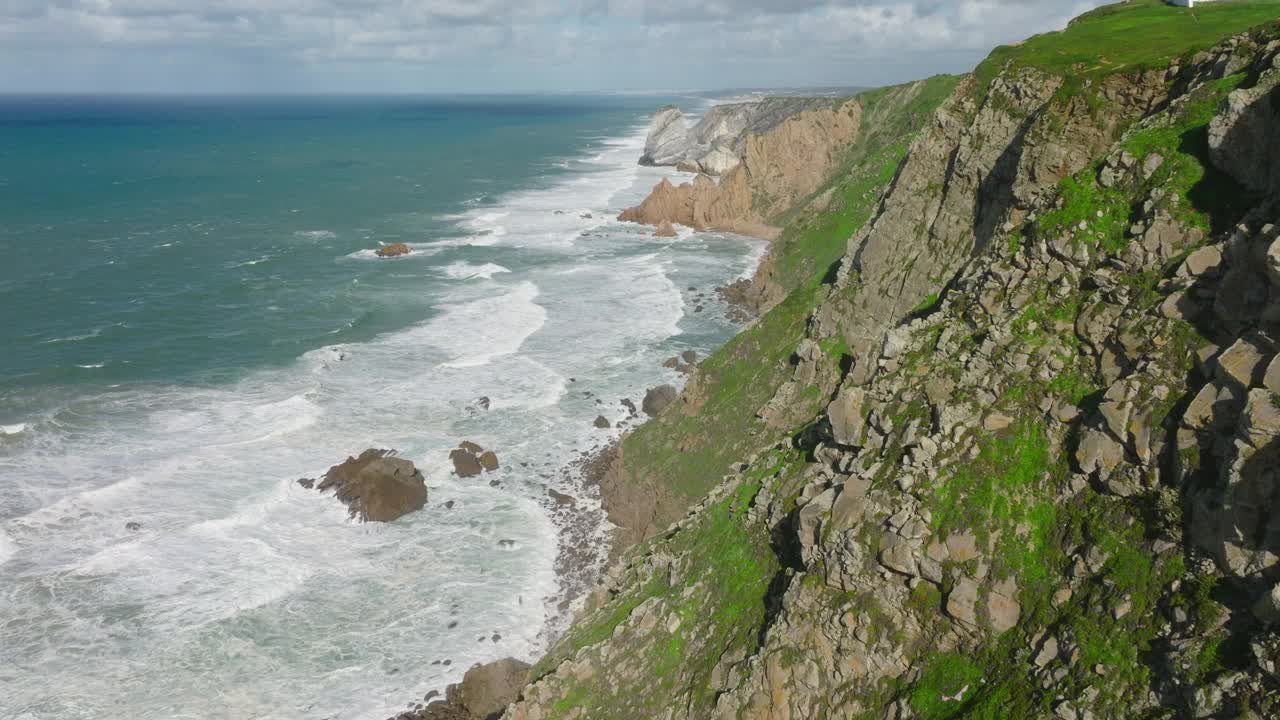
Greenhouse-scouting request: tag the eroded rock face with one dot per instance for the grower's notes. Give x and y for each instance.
(782, 160)
(668, 138)
(377, 486)
(1240, 138)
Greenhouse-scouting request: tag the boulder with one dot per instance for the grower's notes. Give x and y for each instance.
(1002, 605)
(393, 250)
(657, 399)
(962, 603)
(470, 459)
(845, 414)
(602, 422)
(1244, 363)
(665, 229)
(377, 486)
(487, 690)
(465, 464)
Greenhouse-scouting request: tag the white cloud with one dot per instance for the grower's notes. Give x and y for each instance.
(506, 44)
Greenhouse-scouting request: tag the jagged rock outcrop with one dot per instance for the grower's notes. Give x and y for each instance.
(717, 142)
(1049, 490)
(783, 160)
(668, 138)
(377, 486)
(470, 459)
(484, 693)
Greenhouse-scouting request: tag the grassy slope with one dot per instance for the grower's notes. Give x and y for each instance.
(1132, 35)
(1012, 482)
(743, 375)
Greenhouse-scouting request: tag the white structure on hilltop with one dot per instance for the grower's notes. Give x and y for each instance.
(1186, 3)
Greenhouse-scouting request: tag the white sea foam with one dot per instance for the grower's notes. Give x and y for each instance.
(7, 548)
(476, 332)
(467, 271)
(315, 234)
(14, 429)
(415, 250)
(228, 548)
(92, 366)
(75, 338)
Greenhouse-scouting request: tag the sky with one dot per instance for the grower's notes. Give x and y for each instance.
(411, 46)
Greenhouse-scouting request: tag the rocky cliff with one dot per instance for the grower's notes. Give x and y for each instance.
(718, 141)
(1006, 443)
(781, 151)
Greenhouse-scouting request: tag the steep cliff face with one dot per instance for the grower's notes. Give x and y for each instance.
(671, 462)
(1017, 457)
(785, 156)
(717, 142)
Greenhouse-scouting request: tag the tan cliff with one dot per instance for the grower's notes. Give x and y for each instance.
(777, 168)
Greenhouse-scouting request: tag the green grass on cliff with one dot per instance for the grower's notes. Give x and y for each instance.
(724, 564)
(1130, 36)
(813, 241)
(689, 454)
(1197, 193)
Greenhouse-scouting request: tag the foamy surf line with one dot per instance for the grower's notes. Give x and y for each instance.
(222, 516)
(563, 211)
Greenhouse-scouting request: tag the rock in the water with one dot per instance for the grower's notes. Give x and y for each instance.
(561, 499)
(470, 459)
(464, 463)
(133, 526)
(307, 483)
(602, 422)
(657, 399)
(377, 486)
(665, 229)
(393, 250)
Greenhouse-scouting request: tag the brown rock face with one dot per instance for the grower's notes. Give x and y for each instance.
(464, 463)
(470, 459)
(377, 486)
(484, 693)
(393, 250)
(488, 689)
(665, 229)
(779, 166)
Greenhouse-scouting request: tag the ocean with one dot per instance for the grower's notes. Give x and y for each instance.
(193, 317)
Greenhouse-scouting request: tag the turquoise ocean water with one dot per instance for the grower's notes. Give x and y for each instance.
(192, 318)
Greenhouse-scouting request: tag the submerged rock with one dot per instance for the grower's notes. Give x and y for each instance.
(377, 486)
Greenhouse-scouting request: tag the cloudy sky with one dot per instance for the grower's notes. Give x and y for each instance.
(499, 45)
